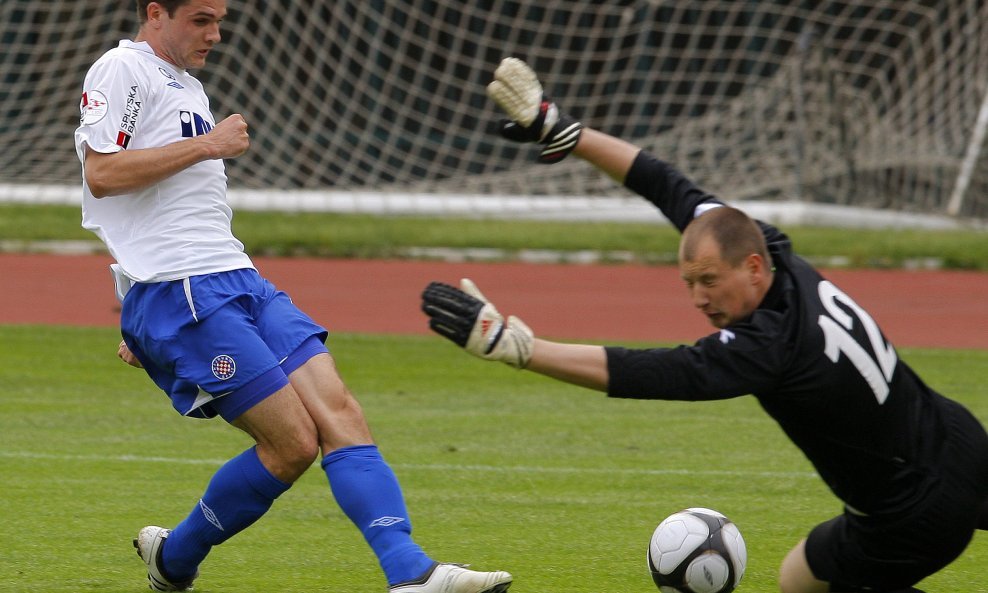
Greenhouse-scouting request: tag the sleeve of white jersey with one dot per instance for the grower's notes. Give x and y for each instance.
(113, 100)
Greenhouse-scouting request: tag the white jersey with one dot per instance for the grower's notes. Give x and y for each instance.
(176, 228)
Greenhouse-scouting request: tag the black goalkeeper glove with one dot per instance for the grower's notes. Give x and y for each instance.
(464, 316)
(533, 117)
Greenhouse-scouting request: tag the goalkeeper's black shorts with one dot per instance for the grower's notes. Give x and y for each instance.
(889, 553)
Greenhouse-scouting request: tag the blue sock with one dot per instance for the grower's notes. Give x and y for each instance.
(239, 493)
(368, 492)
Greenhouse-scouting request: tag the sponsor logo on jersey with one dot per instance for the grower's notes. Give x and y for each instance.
(726, 336)
(193, 124)
(123, 139)
(128, 123)
(224, 367)
(92, 107)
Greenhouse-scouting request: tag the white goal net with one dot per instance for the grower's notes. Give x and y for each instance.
(875, 103)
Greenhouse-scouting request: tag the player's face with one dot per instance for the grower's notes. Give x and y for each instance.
(725, 294)
(186, 38)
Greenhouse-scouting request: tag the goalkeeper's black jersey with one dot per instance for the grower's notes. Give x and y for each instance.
(816, 361)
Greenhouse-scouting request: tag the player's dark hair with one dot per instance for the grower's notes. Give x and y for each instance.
(170, 7)
(737, 235)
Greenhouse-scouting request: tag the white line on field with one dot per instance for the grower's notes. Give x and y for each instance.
(433, 466)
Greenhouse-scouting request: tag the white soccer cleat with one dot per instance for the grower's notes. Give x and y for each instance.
(456, 578)
(149, 543)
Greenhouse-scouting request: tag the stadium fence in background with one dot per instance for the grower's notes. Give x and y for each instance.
(380, 105)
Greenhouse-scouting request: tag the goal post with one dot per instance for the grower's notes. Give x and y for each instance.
(864, 103)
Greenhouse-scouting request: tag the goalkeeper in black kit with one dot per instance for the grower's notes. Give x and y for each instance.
(909, 465)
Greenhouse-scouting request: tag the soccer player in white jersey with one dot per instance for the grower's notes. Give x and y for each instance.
(212, 333)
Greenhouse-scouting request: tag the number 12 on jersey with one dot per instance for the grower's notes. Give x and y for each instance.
(877, 370)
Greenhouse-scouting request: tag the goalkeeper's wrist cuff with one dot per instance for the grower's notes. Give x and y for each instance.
(561, 140)
(513, 345)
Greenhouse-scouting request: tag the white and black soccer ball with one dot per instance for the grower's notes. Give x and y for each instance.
(697, 550)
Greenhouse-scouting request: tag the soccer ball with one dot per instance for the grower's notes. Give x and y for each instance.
(697, 550)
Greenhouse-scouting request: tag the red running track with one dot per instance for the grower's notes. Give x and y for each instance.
(938, 309)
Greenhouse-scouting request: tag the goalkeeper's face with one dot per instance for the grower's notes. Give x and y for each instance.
(725, 293)
(186, 37)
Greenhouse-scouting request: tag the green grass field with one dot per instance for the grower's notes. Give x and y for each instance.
(500, 468)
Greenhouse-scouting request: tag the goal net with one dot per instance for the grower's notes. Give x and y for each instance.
(381, 103)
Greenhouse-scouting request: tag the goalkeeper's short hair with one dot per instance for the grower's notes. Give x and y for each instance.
(737, 235)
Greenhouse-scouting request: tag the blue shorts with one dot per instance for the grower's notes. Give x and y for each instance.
(218, 343)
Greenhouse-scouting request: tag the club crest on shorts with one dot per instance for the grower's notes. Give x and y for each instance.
(224, 367)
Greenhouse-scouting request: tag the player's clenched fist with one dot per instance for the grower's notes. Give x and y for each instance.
(228, 139)
(532, 116)
(466, 317)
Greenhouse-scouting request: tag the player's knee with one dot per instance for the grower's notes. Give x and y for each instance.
(795, 575)
(304, 453)
(786, 574)
(289, 458)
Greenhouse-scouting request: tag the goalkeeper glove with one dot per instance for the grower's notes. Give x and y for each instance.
(533, 117)
(466, 317)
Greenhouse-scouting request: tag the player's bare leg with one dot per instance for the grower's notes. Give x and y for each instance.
(286, 438)
(338, 418)
(795, 575)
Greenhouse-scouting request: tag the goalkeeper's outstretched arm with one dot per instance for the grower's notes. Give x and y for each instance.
(580, 364)
(465, 317)
(609, 154)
